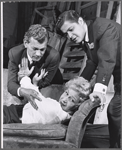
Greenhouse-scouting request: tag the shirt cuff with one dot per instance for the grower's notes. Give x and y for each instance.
(26, 83)
(100, 88)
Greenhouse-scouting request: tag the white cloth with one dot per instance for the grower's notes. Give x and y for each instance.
(101, 115)
(100, 88)
(49, 110)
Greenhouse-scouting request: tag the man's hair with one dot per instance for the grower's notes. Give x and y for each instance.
(70, 15)
(81, 86)
(36, 31)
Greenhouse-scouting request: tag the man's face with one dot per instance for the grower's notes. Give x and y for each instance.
(35, 49)
(69, 99)
(75, 31)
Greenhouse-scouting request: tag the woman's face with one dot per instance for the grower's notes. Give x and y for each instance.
(69, 99)
(75, 31)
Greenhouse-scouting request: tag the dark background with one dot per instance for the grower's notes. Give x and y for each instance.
(18, 16)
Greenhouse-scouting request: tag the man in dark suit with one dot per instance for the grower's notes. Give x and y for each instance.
(37, 55)
(101, 39)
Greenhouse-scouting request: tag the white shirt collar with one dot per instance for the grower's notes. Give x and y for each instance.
(29, 58)
(86, 36)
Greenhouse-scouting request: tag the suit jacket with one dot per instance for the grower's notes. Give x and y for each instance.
(106, 36)
(49, 61)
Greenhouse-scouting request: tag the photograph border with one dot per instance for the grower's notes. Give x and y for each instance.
(1, 58)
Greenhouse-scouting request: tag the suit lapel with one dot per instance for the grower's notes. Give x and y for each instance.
(24, 54)
(91, 39)
(90, 32)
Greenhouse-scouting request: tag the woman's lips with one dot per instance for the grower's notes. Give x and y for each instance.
(62, 104)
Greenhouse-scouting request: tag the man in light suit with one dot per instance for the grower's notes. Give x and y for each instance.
(101, 39)
(37, 54)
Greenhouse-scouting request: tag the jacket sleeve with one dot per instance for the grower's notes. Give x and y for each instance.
(51, 66)
(109, 45)
(89, 69)
(13, 69)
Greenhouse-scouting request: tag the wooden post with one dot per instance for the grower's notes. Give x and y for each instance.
(98, 9)
(118, 16)
(77, 6)
(87, 5)
(109, 11)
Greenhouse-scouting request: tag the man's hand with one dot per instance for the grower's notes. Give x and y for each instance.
(38, 77)
(24, 70)
(98, 95)
(30, 95)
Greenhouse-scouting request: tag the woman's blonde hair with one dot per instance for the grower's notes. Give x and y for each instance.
(81, 86)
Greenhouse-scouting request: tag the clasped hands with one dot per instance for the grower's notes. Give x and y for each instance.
(98, 96)
(30, 94)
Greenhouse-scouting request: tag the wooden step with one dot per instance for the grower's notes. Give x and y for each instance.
(70, 44)
(69, 65)
(68, 76)
(74, 54)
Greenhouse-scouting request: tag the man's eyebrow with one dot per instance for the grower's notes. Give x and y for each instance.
(67, 30)
(34, 47)
(38, 48)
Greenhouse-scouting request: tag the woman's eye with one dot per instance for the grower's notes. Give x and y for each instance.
(66, 93)
(73, 100)
(71, 29)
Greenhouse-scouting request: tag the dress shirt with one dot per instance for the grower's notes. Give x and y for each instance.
(49, 110)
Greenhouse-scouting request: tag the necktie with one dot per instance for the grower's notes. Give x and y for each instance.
(32, 64)
(88, 51)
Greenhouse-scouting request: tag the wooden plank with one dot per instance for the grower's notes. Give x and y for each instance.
(68, 76)
(68, 5)
(87, 5)
(74, 54)
(109, 11)
(77, 7)
(98, 9)
(118, 15)
(69, 65)
(41, 14)
(83, 64)
(62, 6)
(70, 44)
(34, 14)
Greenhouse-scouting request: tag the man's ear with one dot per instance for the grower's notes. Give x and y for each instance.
(25, 44)
(80, 21)
(79, 104)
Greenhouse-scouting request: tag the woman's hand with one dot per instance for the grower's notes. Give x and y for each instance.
(38, 77)
(30, 95)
